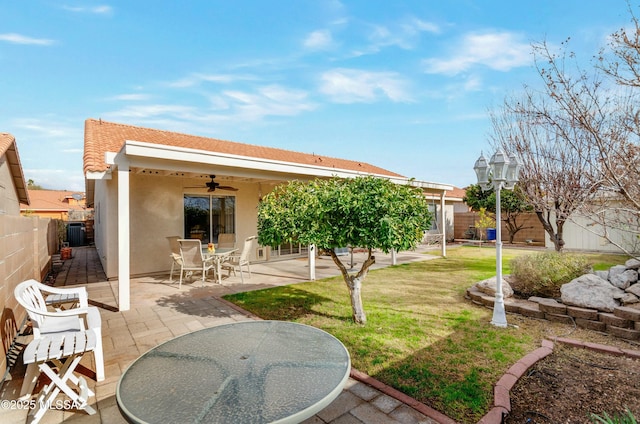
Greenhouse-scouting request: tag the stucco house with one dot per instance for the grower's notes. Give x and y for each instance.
(13, 189)
(56, 204)
(146, 184)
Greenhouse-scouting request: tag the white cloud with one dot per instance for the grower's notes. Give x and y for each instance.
(196, 78)
(356, 86)
(98, 10)
(404, 35)
(130, 97)
(22, 39)
(499, 51)
(227, 106)
(148, 111)
(318, 40)
(271, 100)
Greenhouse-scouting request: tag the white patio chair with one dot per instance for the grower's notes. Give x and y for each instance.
(176, 258)
(238, 261)
(57, 355)
(193, 259)
(33, 296)
(227, 240)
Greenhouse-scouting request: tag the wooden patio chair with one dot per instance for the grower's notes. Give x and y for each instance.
(238, 261)
(193, 259)
(35, 297)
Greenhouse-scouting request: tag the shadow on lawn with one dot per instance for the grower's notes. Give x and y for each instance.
(455, 373)
(283, 303)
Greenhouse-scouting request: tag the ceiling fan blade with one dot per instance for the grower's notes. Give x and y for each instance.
(227, 188)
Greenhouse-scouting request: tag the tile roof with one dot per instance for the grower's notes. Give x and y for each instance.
(102, 136)
(53, 200)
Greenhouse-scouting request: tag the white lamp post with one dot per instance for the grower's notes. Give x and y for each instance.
(504, 174)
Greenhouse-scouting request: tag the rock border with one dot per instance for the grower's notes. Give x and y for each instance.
(623, 322)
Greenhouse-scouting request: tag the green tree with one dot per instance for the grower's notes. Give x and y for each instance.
(31, 185)
(512, 204)
(367, 212)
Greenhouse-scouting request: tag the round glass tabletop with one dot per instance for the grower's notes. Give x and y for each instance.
(245, 372)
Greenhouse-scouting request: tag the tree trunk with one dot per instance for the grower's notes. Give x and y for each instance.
(556, 236)
(354, 284)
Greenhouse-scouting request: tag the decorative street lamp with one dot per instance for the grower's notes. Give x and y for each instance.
(503, 172)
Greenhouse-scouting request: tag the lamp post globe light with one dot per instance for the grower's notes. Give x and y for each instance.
(503, 172)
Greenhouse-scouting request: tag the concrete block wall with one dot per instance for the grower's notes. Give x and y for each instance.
(25, 244)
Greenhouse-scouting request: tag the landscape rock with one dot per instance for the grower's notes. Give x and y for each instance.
(629, 299)
(488, 286)
(615, 270)
(602, 274)
(591, 291)
(632, 263)
(634, 289)
(624, 279)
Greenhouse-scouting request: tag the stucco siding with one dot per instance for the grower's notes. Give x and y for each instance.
(9, 202)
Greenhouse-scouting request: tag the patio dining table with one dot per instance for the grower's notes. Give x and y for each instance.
(244, 372)
(219, 255)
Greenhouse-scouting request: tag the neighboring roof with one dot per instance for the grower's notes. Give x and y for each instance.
(52, 200)
(453, 194)
(9, 148)
(102, 136)
(458, 193)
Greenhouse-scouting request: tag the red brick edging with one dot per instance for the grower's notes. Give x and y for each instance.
(501, 391)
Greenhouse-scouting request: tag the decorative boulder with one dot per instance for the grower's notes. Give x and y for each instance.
(629, 299)
(602, 274)
(624, 279)
(591, 291)
(616, 270)
(634, 289)
(632, 263)
(488, 286)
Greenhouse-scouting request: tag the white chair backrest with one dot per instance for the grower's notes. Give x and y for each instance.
(191, 252)
(246, 249)
(30, 297)
(173, 244)
(226, 240)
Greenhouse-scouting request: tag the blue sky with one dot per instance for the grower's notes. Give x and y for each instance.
(405, 85)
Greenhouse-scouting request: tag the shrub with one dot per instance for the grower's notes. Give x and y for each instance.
(542, 274)
(626, 418)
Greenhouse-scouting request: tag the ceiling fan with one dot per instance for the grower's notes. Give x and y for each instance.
(213, 185)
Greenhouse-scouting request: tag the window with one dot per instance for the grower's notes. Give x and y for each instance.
(433, 208)
(207, 216)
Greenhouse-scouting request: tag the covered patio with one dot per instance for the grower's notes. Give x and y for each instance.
(140, 182)
(160, 311)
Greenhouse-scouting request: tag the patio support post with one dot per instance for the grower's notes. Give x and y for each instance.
(443, 242)
(312, 262)
(123, 236)
(394, 259)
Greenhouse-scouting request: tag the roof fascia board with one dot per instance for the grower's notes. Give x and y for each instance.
(133, 148)
(138, 153)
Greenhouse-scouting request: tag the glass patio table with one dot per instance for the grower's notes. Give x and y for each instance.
(245, 372)
(219, 256)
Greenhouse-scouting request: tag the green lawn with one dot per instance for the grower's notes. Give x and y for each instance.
(422, 336)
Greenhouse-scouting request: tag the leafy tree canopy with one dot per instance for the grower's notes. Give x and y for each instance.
(365, 211)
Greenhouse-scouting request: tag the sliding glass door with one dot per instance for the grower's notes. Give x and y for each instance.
(206, 216)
